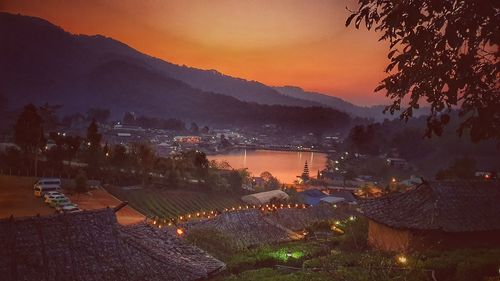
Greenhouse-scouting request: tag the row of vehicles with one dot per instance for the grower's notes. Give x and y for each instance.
(50, 190)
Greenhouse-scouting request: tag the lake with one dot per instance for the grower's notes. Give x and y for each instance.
(284, 165)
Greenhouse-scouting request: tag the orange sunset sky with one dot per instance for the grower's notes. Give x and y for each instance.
(277, 42)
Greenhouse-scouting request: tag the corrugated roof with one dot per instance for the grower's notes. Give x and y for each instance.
(446, 206)
(264, 197)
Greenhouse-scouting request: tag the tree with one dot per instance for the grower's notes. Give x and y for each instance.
(445, 52)
(205, 130)
(93, 135)
(461, 168)
(363, 139)
(81, 182)
(235, 180)
(49, 116)
(349, 175)
(270, 182)
(128, 118)
(56, 154)
(94, 152)
(72, 147)
(145, 157)
(29, 135)
(119, 156)
(224, 142)
(194, 128)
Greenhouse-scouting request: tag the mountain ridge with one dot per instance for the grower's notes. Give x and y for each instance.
(42, 63)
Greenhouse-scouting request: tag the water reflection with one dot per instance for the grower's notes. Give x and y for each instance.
(285, 165)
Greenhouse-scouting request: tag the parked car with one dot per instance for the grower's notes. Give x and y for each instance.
(57, 201)
(51, 193)
(52, 197)
(60, 207)
(45, 185)
(70, 209)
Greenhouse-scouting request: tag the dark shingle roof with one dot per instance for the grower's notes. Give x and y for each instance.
(446, 206)
(91, 245)
(245, 228)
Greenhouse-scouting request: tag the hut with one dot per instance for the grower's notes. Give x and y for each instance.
(262, 198)
(91, 245)
(436, 215)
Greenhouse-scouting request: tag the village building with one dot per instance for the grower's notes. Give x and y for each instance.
(91, 245)
(398, 163)
(265, 197)
(311, 197)
(436, 215)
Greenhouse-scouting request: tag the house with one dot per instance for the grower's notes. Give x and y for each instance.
(91, 245)
(398, 163)
(347, 195)
(311, 197)
(436, 215)
(332, 200)
(262, 198)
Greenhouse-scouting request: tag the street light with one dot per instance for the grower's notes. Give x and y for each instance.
(402, 259)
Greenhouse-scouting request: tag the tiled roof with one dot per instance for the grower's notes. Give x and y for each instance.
(91, 245)
(253, 227)
(446, 206)
(246, 228)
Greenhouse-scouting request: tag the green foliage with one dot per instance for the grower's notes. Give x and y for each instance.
(444, 52)
(93, 135)
(28, 130)
(462, 168)
(363, 139)
(268, 274)
(462, 265)
(356, 235)
(213, 241)
(289, 254)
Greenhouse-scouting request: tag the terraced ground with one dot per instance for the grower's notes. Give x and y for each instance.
(172, 203)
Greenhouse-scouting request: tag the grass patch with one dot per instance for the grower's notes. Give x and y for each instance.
(172, 203)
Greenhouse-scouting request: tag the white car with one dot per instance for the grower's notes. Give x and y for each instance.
(51, 198)
(51, 193)
(60, 207)
(70, 209)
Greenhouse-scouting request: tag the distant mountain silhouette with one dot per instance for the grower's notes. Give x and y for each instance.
(375, 112)
(40, 62)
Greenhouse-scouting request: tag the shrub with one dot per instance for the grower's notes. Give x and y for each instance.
(356, 235)
(213, 241)
(462, 265)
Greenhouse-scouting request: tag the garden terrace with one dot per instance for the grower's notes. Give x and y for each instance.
(91, 245)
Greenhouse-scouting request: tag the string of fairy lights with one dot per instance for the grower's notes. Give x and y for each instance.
(173, 221)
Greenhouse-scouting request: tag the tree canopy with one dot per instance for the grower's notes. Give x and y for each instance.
(28, 130)
(445, 52)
